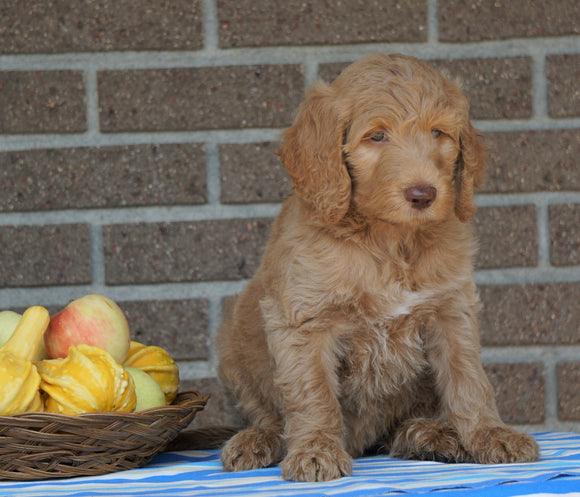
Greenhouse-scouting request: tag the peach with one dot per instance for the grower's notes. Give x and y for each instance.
(92, 320)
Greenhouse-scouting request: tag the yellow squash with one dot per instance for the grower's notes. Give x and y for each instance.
(87, 380)
(19, 379)
(158, 364)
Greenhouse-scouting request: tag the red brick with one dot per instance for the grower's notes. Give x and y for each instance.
(102, 177)
(507, 236)
(568, 374)
(42, 102)
(199, 98)
(179, 326)
(183, 251)
(530, 314)
(532, 161)
(565, 234)
(496, 87)
(219, 410)
(51, 26)
(329, 72)
(252, 173)
(519, 391)
(563, 72)
(252, 23)
(45, 255)
(461, 21)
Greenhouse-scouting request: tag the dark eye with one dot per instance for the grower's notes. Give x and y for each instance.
(436, 133)
(379, 137)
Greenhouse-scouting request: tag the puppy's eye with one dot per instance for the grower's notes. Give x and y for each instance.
(379, 137)
(436, 133)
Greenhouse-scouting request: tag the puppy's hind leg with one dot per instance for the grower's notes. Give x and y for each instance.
(253, 448)
(262, 443)
(246, 371)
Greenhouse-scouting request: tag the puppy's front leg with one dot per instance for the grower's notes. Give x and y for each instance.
(467, 396)
(306, 360)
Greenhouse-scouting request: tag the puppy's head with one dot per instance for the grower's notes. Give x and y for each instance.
(390, 137)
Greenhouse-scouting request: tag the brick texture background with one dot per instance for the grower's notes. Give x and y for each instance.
(137, 160)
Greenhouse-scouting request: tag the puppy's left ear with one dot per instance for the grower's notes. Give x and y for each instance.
(469, 171)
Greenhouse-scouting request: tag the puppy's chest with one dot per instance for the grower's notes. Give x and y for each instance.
(380, 357)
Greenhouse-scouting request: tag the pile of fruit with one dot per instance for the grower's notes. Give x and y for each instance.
(80, 360)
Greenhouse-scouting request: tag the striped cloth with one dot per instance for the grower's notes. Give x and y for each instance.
(196, 473)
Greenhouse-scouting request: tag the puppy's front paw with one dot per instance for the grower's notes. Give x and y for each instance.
(252, 448)
(318, 460)
(428, 440)
(502, 445)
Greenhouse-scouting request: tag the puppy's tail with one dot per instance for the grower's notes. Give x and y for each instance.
(206, 438)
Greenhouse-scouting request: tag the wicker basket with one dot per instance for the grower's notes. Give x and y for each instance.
(34, 446)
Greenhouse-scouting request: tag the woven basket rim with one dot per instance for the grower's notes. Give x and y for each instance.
(89, 416)
(40, 445)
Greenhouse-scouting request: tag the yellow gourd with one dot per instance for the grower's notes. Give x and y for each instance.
(87, 380)
(19, 379)
(158, 364)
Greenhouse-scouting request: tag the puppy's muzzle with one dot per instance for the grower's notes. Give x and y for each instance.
(420, 196)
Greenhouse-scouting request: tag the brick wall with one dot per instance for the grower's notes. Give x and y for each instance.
(136, 160)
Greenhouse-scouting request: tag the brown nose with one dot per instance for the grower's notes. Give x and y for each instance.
(420, 196)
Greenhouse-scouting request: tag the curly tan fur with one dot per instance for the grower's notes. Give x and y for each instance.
(359, 330)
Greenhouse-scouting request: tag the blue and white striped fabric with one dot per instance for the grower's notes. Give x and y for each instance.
(200, 474)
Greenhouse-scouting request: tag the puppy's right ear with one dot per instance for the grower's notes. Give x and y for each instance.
(312, 154)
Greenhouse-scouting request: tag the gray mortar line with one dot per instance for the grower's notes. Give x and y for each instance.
(97, 255)
(543, 234)
(251, 135)
(216, 210)
(539, 87)
(210, 26)
(193, 370)
(432, 22)
(535, 198)
(529, 353)
(212, 170)
(92, 103)
(214, 318)
(40, 141)
(527, 275)
(51, 295)
(211, 56)
(149, 214)
(311, 72)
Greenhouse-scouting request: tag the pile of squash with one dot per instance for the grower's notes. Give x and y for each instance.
(88, 379)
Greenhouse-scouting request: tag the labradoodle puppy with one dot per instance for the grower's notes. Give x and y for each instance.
(359, 330)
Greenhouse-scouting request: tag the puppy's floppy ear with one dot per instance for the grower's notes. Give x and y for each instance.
(469, 169)
(312, 154)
